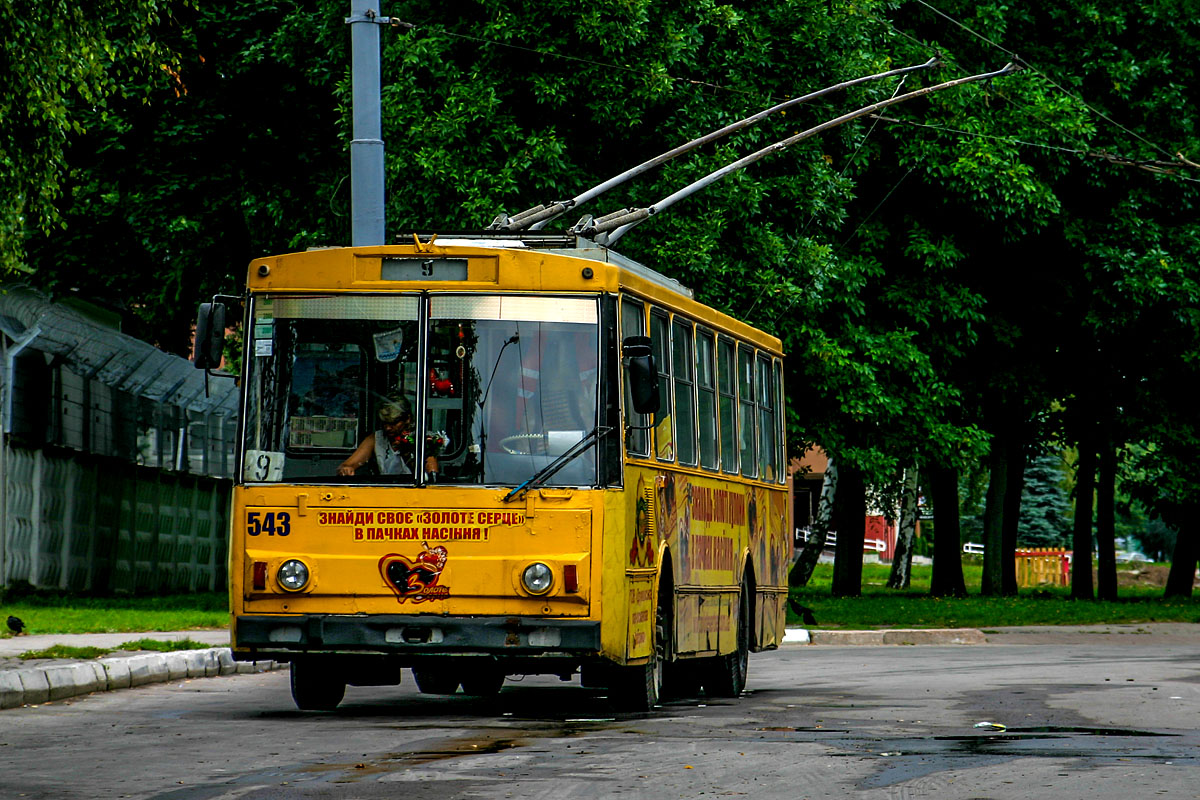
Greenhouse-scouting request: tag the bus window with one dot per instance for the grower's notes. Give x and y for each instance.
(633, 323)
(685, 405)
(746, 411)
(706, 388)
(768, 468)
(318, 367)
(780, 420)
(512, 385)
(505, 385)
(660, 343)
(727, 404)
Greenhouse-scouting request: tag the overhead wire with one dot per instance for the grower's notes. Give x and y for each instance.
(577, 59)
(1176, 160)
(1159, 167)
(1153, 166)
(812, 217)
(1176, 157)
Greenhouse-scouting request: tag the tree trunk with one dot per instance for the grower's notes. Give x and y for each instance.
(1085, 485)
(901, 574)
(1183, 559)
(851, 519)
(802, 570)
(1012, 514)
(1106, 545)
(992, 583)
(947, 578)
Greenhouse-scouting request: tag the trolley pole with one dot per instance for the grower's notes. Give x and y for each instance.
(366, 148)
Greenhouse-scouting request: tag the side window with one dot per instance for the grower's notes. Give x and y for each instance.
(747, 409)
(660, 343)
(727, 405)
(633, 323)
(780, 421)
(685, 391)
(706, 394)
(765, 390)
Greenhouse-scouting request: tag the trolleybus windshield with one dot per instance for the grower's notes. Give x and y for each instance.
(497, 386)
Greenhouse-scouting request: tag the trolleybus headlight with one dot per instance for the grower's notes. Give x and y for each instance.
(293, 575)
(537, 578)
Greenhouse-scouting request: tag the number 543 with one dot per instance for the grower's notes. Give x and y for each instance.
(272, 523)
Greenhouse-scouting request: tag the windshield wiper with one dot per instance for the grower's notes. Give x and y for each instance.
(558, 463)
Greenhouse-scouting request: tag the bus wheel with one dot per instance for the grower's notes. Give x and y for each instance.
(640, 688)
(484, 682)
(315, 686)
(727, 674)
(432, 680)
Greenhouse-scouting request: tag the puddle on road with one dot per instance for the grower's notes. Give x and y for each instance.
(458, 748)
(816, 729)
(1088, 731)
(508, 738)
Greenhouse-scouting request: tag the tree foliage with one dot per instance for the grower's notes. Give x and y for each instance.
(1007, 264)
(1045, 507)
(60, 65)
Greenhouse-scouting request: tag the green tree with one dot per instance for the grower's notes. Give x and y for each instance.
(944, 279)
(1045, 508)
(60, 64)
(182, 179)
(1028, 213)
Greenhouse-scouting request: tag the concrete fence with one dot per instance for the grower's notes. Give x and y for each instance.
(89, 524)
(115, 457)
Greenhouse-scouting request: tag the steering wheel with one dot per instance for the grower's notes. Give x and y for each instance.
(523, 444)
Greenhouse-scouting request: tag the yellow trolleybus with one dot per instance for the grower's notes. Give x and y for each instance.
(507, 454)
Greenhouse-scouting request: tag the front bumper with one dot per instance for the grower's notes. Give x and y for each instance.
(279, 637)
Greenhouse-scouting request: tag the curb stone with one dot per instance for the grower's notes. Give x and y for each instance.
(901, 636)
(35, 685)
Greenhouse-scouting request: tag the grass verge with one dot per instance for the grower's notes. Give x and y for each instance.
(43, 613)
(137, 646)
(880, 607)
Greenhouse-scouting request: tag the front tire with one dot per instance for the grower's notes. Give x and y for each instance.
(640, 688)
(315, 685)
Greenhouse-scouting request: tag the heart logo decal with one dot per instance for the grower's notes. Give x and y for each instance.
(416, 579)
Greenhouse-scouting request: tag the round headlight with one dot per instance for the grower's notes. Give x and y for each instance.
(537, 578)
(292, 575)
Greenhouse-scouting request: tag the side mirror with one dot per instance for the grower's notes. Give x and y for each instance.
(210, 336)
(642, 373)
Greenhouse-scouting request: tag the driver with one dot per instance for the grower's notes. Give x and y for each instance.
(393, 445)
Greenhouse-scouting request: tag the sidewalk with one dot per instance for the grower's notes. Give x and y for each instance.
(38, 681)
(30, 682)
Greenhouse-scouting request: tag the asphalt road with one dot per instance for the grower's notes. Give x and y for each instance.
(1088, 720)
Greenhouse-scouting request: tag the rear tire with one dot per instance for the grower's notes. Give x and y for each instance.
(316, 686)
(435, 680)
(726, 675)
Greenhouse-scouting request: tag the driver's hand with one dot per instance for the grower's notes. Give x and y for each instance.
(345, 469)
